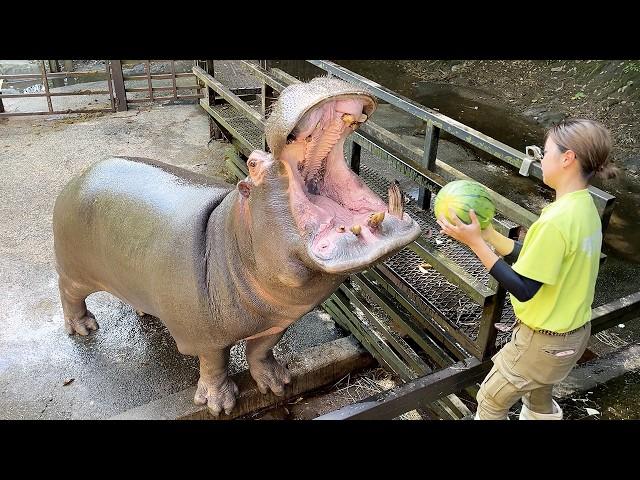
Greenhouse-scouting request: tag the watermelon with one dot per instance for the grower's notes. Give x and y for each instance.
(462, 196)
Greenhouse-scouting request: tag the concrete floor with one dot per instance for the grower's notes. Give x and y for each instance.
(129, 361)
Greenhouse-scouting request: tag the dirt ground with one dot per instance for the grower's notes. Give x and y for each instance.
(549, 90)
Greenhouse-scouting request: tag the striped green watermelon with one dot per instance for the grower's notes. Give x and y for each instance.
(461, 196)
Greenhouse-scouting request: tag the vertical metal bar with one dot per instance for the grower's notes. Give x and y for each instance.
(173, 78)
(107, 65)
(214, 130)
(354, 157)
(1, 104)
(267, 100)
(118, 85)
(147, 67)
(45, 82)
(431, 137)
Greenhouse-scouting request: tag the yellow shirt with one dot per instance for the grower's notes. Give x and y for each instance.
(562, 251)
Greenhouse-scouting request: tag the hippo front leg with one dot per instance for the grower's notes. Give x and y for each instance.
(264, 368)
(215, 388)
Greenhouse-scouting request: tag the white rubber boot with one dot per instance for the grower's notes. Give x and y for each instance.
(526, 414)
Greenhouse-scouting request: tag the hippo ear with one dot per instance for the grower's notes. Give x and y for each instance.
(245, 188)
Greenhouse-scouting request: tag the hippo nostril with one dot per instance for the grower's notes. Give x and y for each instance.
(252, 163)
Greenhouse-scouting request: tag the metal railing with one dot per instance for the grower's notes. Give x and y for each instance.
(46, 77)
(117, 88)
(393, 309)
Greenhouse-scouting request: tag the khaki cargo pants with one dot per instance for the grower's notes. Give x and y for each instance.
(527, 367)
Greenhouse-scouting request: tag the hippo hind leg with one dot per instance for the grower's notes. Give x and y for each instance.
(77, 319)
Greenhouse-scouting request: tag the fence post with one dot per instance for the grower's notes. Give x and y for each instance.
(214, 131)
(118, 85)
(431, 137)
(267, 95)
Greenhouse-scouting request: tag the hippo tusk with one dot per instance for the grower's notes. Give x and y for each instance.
(396, 200)
(356, 229)
(375, 219)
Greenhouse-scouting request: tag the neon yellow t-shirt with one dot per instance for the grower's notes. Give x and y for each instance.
(562, 251)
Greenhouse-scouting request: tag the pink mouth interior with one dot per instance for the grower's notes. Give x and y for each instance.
(328, 199)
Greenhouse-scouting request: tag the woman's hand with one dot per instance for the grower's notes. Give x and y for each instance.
(468, 234)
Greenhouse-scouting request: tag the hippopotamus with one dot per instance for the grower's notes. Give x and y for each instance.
(219, 263)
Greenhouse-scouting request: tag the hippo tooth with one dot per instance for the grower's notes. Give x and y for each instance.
(396, 200)
(356, 229)
(375, 219)
(348, 119)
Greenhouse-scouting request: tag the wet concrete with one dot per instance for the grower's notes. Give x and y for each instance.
(129, 361)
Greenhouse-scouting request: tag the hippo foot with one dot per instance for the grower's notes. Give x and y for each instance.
(81, 325)
(218, 394)
(269, 374)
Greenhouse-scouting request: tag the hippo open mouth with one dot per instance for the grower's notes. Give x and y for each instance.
(348, 226)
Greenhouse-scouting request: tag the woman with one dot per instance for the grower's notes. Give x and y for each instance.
(552, 281)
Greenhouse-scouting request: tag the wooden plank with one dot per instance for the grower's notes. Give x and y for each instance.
(118, 85)
(404, 323)
(391, 358)
(619, 311)
(436, 331)
(399, 345)
(442, 322)
(398, 400)
(310, 369)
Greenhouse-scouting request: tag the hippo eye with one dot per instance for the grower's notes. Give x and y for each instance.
(291, 138)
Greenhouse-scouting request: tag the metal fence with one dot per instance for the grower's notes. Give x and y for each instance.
(117, 87)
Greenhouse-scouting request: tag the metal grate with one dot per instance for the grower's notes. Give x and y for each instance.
(433, 288)
(251, 133)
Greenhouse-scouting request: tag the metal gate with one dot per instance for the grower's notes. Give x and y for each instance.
(116, 82)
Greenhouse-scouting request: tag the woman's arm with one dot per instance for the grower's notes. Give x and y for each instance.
(522, 288)
(503, 245)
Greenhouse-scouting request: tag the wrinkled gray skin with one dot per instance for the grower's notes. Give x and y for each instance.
(216, 264)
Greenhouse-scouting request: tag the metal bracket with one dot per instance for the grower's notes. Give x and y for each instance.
(534, 154)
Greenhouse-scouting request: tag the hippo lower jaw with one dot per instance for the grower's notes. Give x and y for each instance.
(346, 225)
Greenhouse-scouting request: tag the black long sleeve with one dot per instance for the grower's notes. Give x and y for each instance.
(515, 253)
(523, 288)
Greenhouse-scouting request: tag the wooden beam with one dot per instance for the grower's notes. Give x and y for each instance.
(401, 399)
